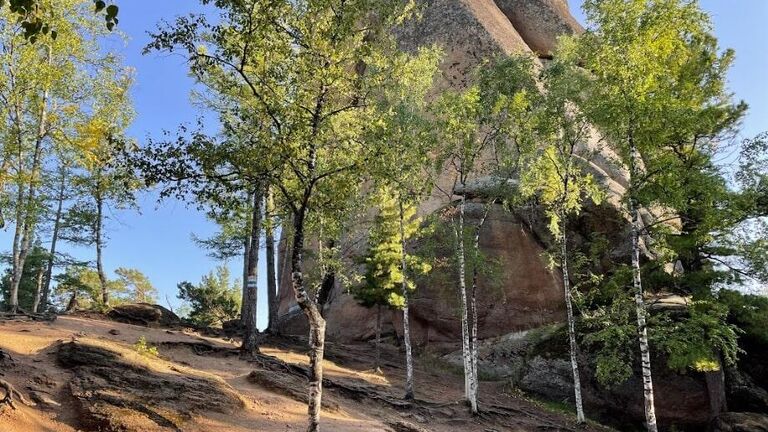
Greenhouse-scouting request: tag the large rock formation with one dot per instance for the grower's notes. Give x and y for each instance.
(537, 363)
(526, 294)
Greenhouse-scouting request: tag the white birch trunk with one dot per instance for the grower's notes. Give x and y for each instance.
(642, 330)
(99, 245)
(465, 341)
(571, 323)
(46, 294)
(474, 377)
(38, 289)
(409, 394)
(316, 323)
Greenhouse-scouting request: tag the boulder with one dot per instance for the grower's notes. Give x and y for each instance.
(744, 394)
(740, 422)
(145, 314)
(536, 362)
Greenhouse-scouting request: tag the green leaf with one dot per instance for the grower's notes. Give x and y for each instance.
(112, 11)
(100, 5)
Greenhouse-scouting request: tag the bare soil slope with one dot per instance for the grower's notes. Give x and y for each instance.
(84, 374)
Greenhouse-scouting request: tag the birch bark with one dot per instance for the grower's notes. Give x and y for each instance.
(640, 309)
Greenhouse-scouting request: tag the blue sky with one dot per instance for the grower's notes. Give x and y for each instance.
(157, 240)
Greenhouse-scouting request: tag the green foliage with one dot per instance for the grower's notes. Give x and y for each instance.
(31, 277)
(32, 17)
(490, 117)
(82, 283)
(555, 171)
(383, 261)
(135, 285)
(214, 300)
(143, 348)
(699, 340)
(748, 312)
(611, 331)
(77, 285)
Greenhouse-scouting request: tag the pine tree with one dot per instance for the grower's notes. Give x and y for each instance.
(386, 283)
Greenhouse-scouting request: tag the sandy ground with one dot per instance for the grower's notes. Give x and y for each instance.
(33, 345)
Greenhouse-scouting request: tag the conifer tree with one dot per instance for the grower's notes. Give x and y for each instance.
(384, 277)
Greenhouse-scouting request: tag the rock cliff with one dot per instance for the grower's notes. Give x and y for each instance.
(526, 293)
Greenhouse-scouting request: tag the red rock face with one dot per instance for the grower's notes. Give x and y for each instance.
(540, 22)
(524, 293)
(518, 292)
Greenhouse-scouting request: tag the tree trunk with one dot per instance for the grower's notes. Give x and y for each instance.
(16, 262)
(378, 338)
(251, 331)
(571, 322)
(245, 303)
(640, 309)
(244, 294)
(72, 303)
(99, 245)
(27, 217)
(270, 252)
(316, 323)
(38, 289)
(474, 382)
(54, 239)
(409, 394)
(465, 340)
(718, 402)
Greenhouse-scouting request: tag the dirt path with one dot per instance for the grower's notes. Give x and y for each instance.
(356, 399)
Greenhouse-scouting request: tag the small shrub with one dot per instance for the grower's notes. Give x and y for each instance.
(143, 348)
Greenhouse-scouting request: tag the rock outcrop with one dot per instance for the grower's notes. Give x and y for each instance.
(537, 363)
(526, 293)
(741, 422)
(145, 314)
(539, 23)
(114, 393)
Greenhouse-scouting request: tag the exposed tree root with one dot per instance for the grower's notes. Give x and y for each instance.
(287, 379)
(202, 348)
(10, 394)
(402, 426)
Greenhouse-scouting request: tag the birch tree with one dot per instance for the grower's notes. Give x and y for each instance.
(478, 133)
(555, 175)
(404, 169)
(636, 51)
(307, 68)
(46, 89)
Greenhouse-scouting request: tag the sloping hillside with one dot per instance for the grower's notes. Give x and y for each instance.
(87, 374)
